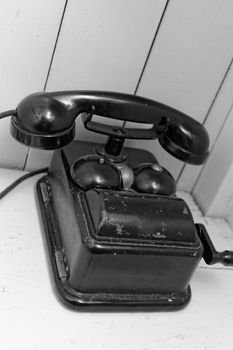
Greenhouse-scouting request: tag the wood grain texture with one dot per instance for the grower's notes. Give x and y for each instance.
(188, 61)
(27, 34)
(102, 45)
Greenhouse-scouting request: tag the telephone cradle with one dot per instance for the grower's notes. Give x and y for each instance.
(118, 237)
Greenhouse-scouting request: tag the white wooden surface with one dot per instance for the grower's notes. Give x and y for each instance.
(188, 61)
(27, 35)
(32, 318)
(102, 45)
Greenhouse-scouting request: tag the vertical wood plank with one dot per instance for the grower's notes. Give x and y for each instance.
(213, 123)
(102, 46)
(214, 190)
(27, 34)
(188, 61)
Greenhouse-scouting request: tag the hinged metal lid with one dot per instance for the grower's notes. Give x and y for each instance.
(129, 216)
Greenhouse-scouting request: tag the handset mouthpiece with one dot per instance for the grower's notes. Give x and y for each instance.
(40, 122)
(42, 141)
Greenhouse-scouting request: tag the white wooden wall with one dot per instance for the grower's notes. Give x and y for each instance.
(176, 52)
(28, 31)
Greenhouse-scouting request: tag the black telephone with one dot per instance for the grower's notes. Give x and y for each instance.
(117, 234)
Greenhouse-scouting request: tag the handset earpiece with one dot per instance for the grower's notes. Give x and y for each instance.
(186, 140)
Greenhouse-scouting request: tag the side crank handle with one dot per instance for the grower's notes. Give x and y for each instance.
(210, 254)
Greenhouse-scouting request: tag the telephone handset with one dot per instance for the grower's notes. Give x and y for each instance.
(117, 234)
(46, 120)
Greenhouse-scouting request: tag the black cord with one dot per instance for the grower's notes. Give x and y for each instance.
(21, 179)
(7, 113)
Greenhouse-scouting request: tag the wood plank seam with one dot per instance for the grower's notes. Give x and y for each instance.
(212, 147)
(49, 69)
(151, 47)
(55, 45)
(204, 122)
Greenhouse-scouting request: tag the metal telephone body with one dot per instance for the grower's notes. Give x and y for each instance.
(118, 236)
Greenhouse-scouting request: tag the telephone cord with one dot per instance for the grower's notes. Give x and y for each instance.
(21, 179)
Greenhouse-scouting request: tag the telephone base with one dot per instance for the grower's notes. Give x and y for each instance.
(96, 301)
(116, 248)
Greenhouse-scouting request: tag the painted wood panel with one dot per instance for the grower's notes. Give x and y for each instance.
(214, 123)
(27, 34)
(214, 190)
(188, 61)
(103, 45)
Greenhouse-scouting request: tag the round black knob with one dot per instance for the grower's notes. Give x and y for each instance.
(154, 179)
(96, 172)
